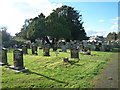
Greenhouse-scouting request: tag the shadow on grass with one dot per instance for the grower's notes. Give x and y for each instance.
(30, 72)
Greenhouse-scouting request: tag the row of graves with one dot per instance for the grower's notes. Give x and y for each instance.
(18, 62)
(75, 48)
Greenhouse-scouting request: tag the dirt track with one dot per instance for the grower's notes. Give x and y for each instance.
(108, 78)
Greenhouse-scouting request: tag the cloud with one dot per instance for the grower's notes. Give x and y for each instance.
(115, 27)
(14, 12)
(115, 20)
(91, 32)
(101, 20)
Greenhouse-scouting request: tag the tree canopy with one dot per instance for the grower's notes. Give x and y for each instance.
(63, 23)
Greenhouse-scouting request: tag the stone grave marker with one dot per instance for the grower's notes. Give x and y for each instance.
(34, 50)
(3, 60)
(18, 60)
(46, 50)
(93, 47)
(97, 48)
(24, 49)
(64, 48)
(102, 48)
(55, 47)
(75, 53)
(65, 60)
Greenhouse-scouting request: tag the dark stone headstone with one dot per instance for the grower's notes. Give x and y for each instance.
(46, 50)
(34, 50)
(74, 53)
(24, 49)
(107, 48)
(3, 61)
(18, 60)
(55, 47)
(97, 48)
(65, 60)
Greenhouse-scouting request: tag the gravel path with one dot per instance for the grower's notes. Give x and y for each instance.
(108, 78)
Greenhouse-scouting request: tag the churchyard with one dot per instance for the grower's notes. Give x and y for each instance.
(51, 70)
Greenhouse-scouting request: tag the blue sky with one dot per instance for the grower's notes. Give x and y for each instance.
(99, 18)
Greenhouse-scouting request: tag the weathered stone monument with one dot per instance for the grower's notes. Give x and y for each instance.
(46, 50)
(3, 54)
(74, 53)
(18, 60)
(34, 50)
(55, 47)
(97, 48)
(24, 49)
(64, 47)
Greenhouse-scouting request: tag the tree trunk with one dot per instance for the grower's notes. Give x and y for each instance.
(47, 40)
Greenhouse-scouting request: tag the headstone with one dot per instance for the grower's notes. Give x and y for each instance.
(64, 48)
(97, 48)
(65, 60)
(102, 48)
(3, 60)
(93, 47)
(18, 60)
(85, 43)
(46, 50)
(34, 50)
(55, 47)
(24, 49)
(74, 53)
(107, 48)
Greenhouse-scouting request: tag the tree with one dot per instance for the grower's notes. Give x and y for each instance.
(62, 23)
(65, 22)
(118, 35)
(111, 36)
(5, 35)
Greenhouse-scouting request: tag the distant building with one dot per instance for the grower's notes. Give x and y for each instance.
(96, 39)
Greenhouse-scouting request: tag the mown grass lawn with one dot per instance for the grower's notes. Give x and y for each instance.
(51, 72)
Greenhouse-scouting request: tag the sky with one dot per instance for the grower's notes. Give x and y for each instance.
(100, 18)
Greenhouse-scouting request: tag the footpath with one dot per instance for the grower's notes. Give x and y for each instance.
(108, 78)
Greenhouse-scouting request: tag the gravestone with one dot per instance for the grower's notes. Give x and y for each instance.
(18, 60)
(64, 48)
(97, 48)
(102, 48)
(55, 47)
(46, 50)
(65, 60)
(93, 47)
(85, 43)
(24, 49)
(107, 48)
(34, 50)
(74, 53)
(3, 60)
